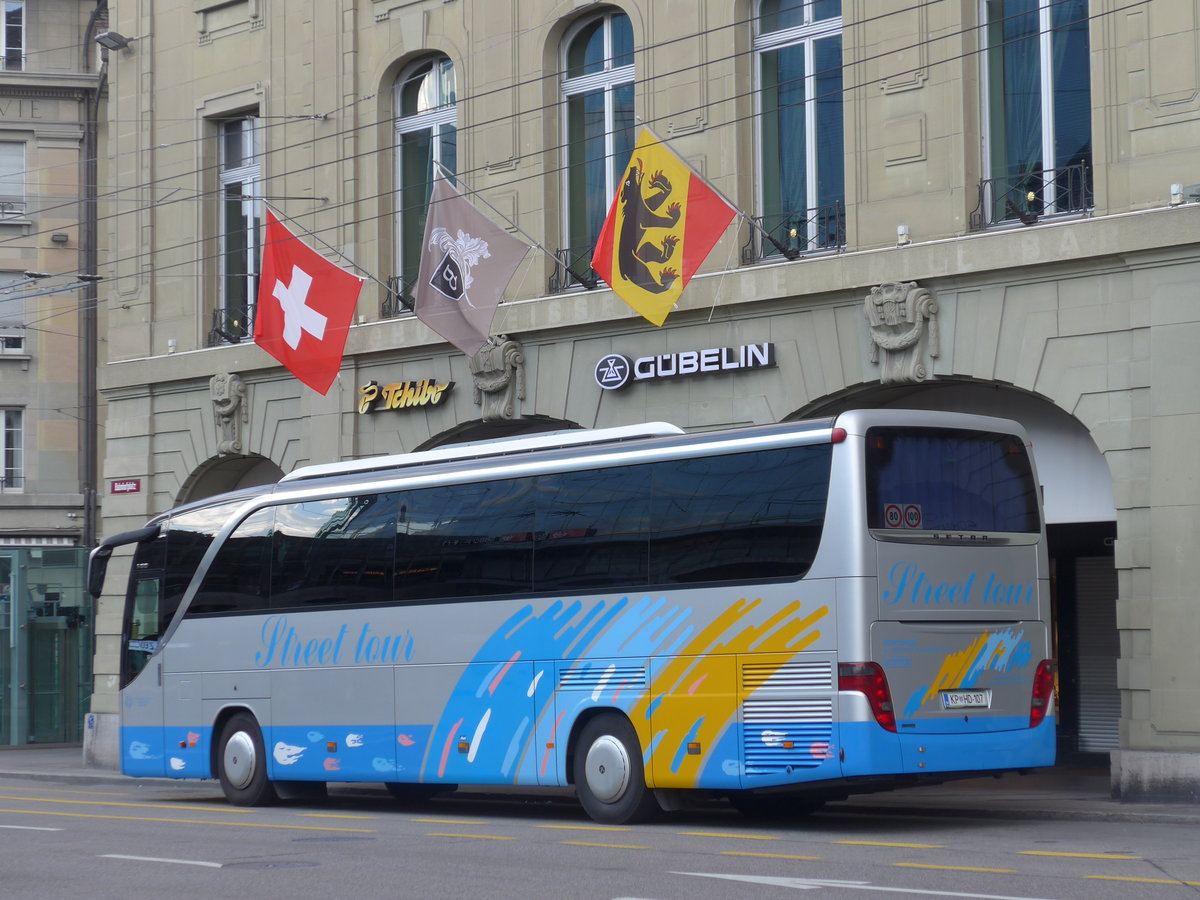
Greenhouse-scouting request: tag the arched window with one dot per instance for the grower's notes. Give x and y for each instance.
(424, 97)
(798, 50)
(597, 91)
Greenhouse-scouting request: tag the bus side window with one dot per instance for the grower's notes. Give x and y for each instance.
(144, 628)
(593, 529)
(334, 552)
(238, 578)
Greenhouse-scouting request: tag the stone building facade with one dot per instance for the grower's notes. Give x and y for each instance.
(49, 85)
(925, 235)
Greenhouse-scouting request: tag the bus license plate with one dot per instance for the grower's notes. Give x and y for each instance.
(966, 699)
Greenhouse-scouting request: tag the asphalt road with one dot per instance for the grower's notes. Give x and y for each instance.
(181, 839)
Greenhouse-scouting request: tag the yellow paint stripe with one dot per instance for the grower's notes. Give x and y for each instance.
(428, 821)
(584, 827)
(954, 868)
(769, 855)
(732, 837)
(477, 837)
(891, 844)
(70, 815)
(1142, 880)
(331, 816)
(605, 846)
(42, 790)
(189, 807)
(1074, 855)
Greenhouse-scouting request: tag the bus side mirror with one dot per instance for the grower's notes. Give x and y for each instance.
(97, 567)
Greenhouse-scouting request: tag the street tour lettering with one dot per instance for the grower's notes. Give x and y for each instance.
(910, 584)
(282, 645)
(401, 395)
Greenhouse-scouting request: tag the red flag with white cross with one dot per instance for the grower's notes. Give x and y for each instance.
(305, 305)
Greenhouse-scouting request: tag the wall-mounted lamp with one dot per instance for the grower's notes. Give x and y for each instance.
(60, 237)
(113, 40)
(171, 345)
(1177, 195)
(902, 238)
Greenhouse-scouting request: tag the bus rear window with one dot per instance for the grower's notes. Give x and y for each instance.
(947, 479)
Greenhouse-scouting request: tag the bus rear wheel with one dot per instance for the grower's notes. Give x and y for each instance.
(242, 763)
(609, 773)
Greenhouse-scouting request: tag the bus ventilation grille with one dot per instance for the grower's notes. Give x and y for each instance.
(597, 678)
(780, 735)
(816, 675)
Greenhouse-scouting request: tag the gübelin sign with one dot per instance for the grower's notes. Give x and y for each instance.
(616, 370)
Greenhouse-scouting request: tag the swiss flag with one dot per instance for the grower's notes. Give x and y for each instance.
(305, 304)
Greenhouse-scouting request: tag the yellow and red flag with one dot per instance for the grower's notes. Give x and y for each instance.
(663, 222)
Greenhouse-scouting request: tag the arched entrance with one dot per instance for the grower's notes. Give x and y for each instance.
(478, 430)
(227, 473)
(1081, 530)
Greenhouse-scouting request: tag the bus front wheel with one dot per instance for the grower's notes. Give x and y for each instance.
(609, 773)
(242, 763)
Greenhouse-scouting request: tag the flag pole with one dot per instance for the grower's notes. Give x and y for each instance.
(589, 283)
(789, 252)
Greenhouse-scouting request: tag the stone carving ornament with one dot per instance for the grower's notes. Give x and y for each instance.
(499, 373)
(228, 393)
(903, 324)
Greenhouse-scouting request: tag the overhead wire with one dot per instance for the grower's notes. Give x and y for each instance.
(542, 171)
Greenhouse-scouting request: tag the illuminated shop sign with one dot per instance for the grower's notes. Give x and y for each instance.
(373, 397)
(616, 370)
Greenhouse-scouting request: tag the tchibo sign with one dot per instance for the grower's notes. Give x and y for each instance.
(616, 370)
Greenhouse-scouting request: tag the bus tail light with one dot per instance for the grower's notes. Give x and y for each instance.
(1043, 691)
(868, 678)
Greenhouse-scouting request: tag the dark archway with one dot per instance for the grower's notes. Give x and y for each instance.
(478, 430)
(227, 473)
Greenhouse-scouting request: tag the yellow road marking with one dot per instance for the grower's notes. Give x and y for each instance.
(40, 790)
(332, 816)
(955, 868)
(891, 844)
(734, 837)
(192, 807)
(1142, 880)
(451, 821)
(769, 855)
(585, 827)
(70, 815)
(1075, 855)
(605, 846)
(478, 837)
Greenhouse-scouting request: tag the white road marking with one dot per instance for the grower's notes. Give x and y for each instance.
(178, 862)
(809, 884)
(29, 828)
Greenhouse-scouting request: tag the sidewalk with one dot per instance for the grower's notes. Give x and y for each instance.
(1061, 793)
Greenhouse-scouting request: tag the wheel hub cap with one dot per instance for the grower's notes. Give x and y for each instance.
(239, 761)
(607, 769)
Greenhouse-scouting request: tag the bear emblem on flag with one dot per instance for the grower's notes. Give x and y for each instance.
(452, 276)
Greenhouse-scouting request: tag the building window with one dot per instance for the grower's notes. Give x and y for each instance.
(798, 53)
(14, 35)
(12, 179)
(12, 451)
(597, 93)
(1039, 109)
(240, 178)
(12, 315)
(426, 132)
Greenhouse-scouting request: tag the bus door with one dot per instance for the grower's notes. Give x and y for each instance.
(142, 747)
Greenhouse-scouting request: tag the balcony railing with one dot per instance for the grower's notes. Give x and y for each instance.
(796, 233)
(398, 301)
(572, 269)
(12, 209)
(12, 482)
(231, 325)
(1029, 197)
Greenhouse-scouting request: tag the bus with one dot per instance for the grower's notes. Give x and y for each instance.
(778, 615)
